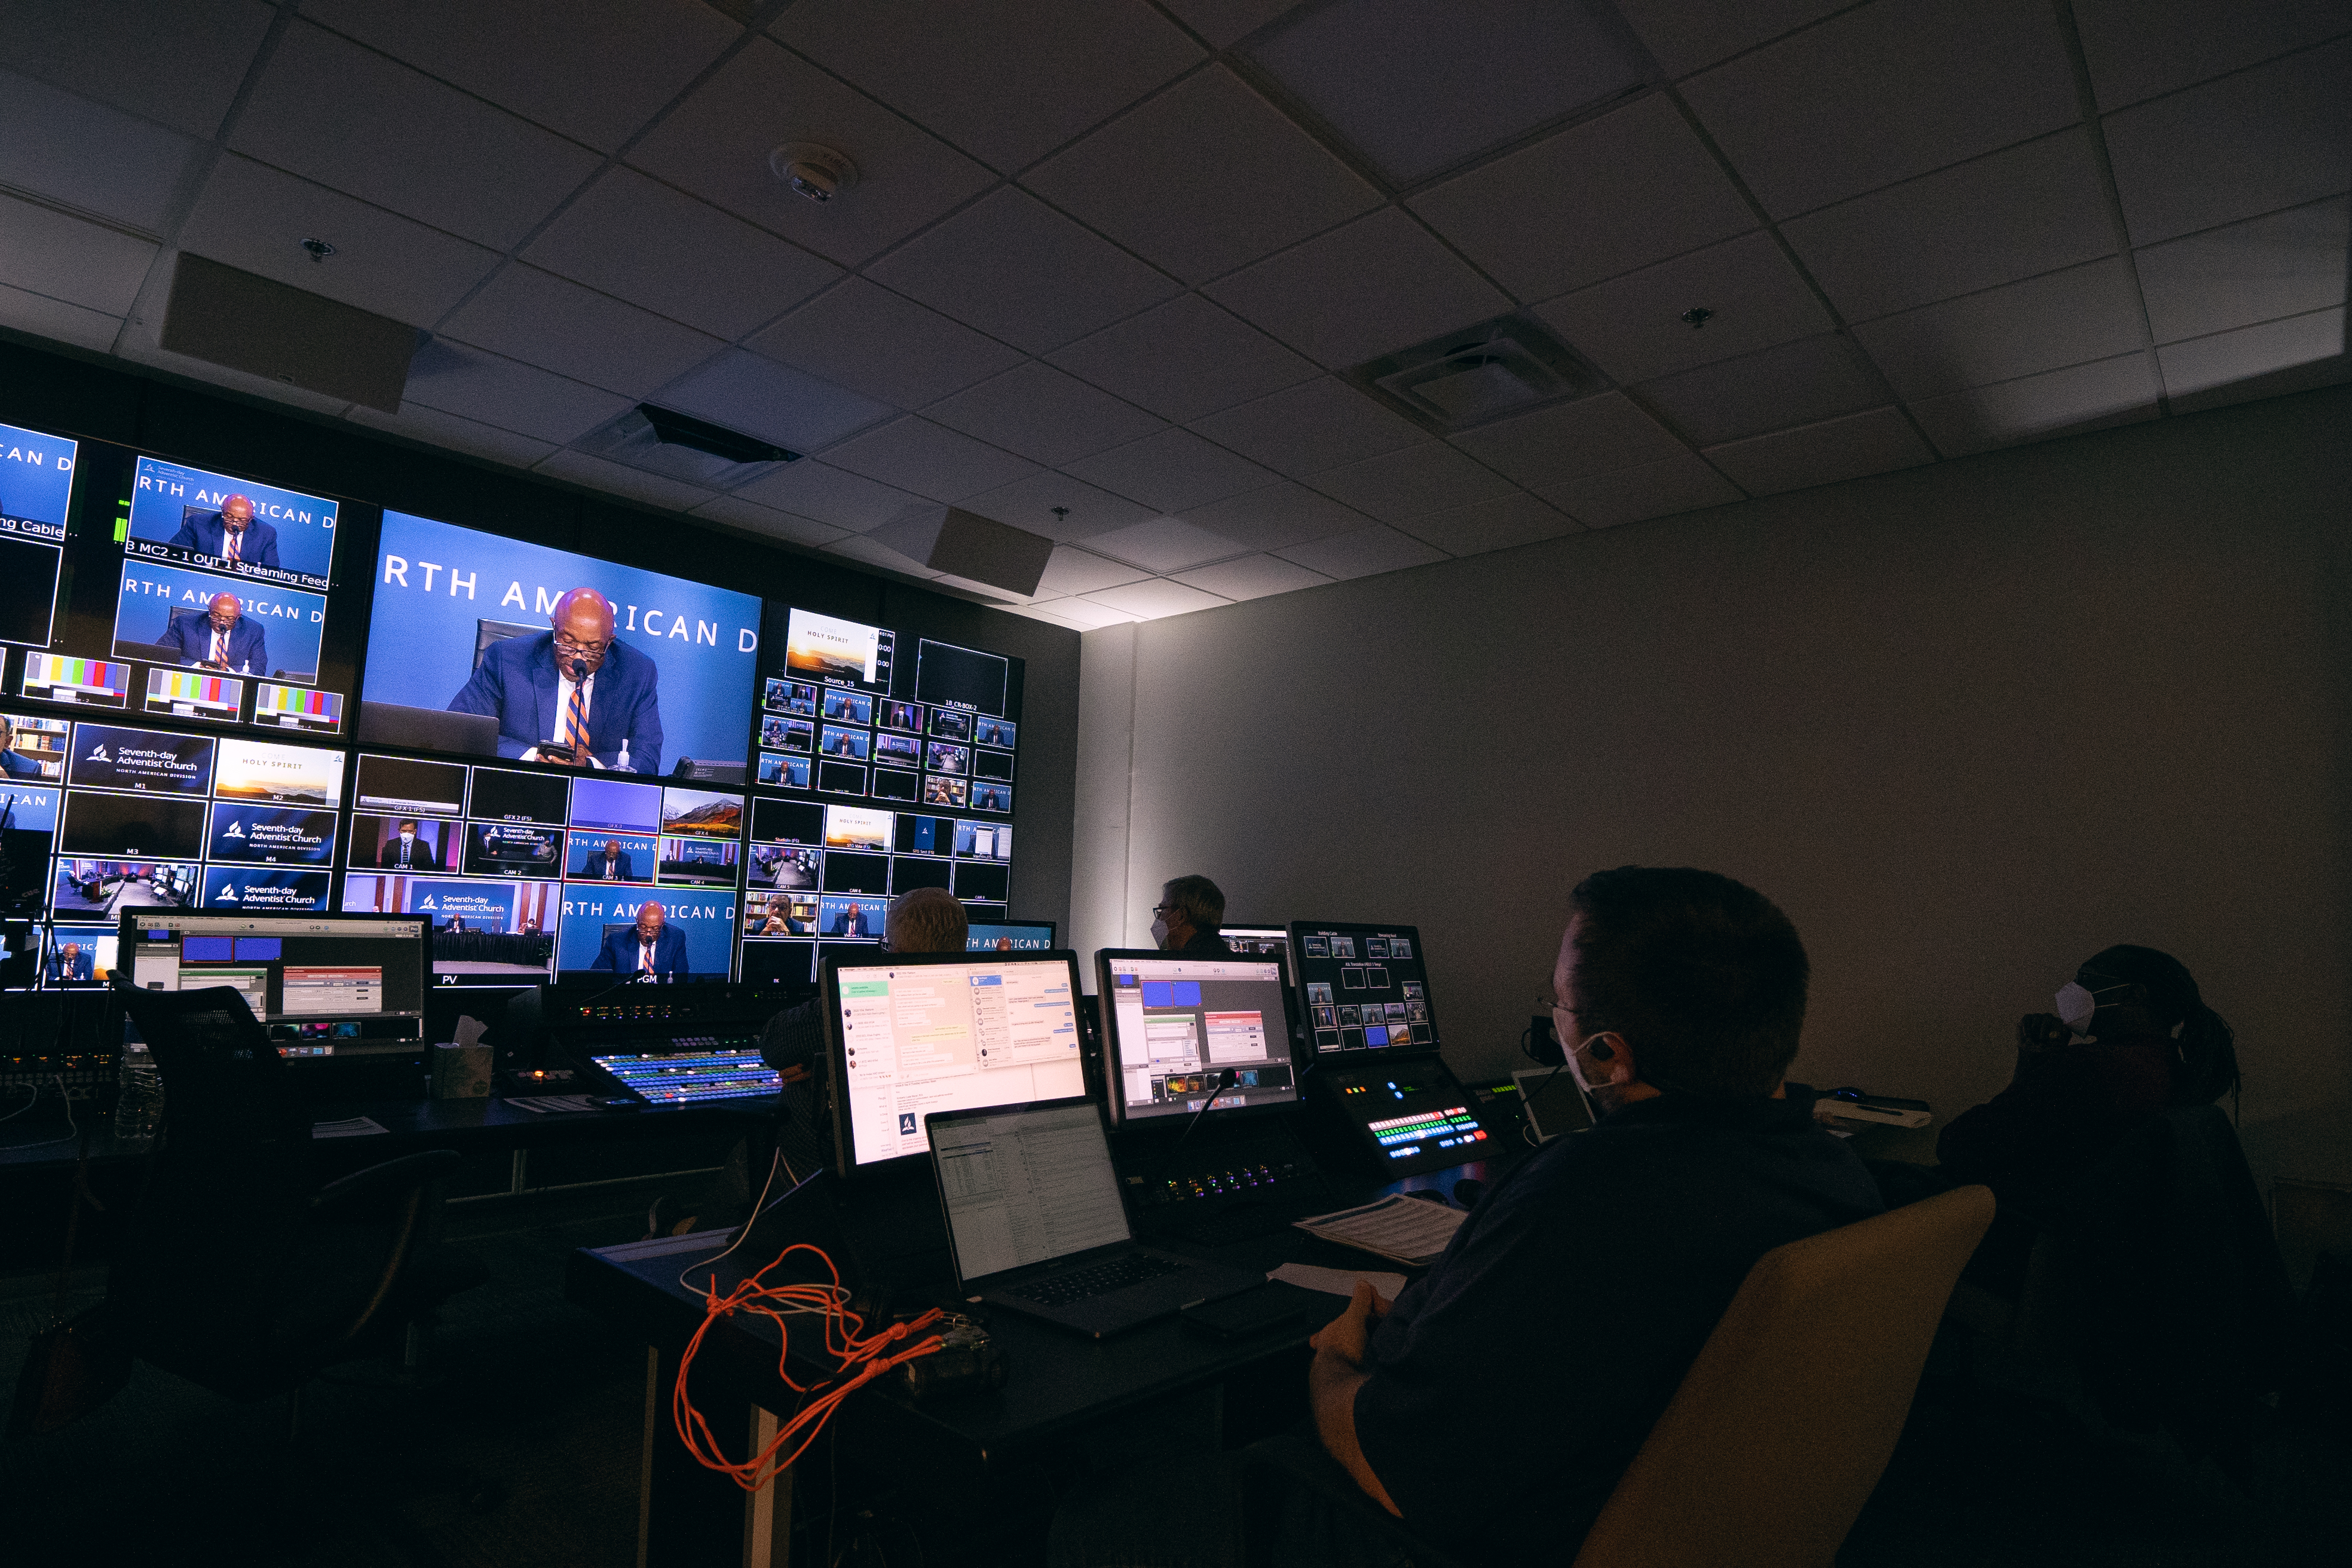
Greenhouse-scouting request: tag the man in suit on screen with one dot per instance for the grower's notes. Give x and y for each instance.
(71, 961)
(13, 762)
(407, 851)
(649, 947)
(220, 638)
(232, 533)
(573, 694)
(851, 922)
(611, 866)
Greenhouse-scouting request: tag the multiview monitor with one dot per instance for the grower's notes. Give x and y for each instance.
(1363, 987)
(1174, 1024)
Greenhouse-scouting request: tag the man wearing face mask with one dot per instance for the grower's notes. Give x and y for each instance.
(1681, 994)
(407, 852)
(1187, 916)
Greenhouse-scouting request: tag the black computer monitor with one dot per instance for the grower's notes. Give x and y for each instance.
(912, 1033)
(1010, 936)
(1245, 936)
(345, 983)
(1362, 987)
(1173, 1022)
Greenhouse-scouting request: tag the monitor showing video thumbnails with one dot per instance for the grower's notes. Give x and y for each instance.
(1173, 1026)
(1364, 987)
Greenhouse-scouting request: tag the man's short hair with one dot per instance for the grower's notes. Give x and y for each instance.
(1202, 901)
(1704, 977)
(928, 920)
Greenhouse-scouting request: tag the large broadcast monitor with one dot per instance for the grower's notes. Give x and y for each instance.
(1364, 987)
(1172, 1024)
(1010, 936)
(914, 1034)
(462, 657)
(337, 984)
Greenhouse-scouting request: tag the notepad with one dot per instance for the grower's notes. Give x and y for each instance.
(1336, 1281)
(1409, 1230)
(350, 1127)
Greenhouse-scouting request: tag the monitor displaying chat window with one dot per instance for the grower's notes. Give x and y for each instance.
(350, 983)
(498, 647)
(1173, 1026)
(1363, 987)
(948, 1032)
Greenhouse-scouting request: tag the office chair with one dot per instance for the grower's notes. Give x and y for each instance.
(235, 1271)
(2154, 1299)
(1755, 1462)
(489, 632)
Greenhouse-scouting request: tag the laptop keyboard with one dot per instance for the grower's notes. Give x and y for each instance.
(1061, 1290)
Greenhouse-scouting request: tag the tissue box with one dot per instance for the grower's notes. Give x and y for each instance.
(461, 1072)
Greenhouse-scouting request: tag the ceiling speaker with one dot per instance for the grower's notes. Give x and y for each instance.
(965, 544)
(265, 328)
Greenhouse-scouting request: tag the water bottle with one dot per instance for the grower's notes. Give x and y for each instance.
(139, 1108)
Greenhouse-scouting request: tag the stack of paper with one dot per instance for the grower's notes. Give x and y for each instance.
(1410, 1230)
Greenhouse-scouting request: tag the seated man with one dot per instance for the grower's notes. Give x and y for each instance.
(220, 638)
(574, 694)
(612, 865)
(1187, 916)
(1599, 1266)
(13, 762)
(649, 947)
(232, 533)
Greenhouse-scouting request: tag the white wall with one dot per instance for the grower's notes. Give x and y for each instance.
(1968, 724)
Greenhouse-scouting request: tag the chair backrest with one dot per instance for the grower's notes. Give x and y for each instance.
(489, 632)
(1783, 1425)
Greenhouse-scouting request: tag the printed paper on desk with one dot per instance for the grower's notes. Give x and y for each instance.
(1336, 1281)
(1410, 1230)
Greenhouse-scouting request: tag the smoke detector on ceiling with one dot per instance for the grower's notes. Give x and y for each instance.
(813, 169)
(1495, 369)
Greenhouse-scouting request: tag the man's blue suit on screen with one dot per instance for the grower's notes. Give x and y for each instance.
(516, 683)
(621, 949)
(248, 644)
(594, 868)
(19, 766)
(258, 546)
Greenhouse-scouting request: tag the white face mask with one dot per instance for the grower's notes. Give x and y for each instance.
(407, 834)
(1158, 931)
(2076, 1003)
(1576, 1068)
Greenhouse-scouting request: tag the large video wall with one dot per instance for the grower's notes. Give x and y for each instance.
(222, 694)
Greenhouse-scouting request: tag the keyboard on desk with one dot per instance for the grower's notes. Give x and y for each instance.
(1101, 1280)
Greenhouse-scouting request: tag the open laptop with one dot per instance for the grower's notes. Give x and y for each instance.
(428, 729)
(1035, 1225)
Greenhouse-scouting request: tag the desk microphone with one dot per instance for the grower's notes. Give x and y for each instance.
(1224, 1081)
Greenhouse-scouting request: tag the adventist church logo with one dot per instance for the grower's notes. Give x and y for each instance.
(428, 903)
(97, 754)
(228, 894)
(236, 830)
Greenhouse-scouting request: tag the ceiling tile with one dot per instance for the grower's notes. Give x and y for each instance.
(2273, 137)
(1164, 544)
(1086, 614)
(254, 217)
(1634, 186)
(2018, 213)
(2120, 391)
(56, 319)
(540, 319)
(743, 390)
(1224, 23)
(1413, 483)
(716, 144)
(1071, 570)
(1631, 327)
(491, 390)
(1279, 515)
(1516, 519)
(597, 73)
(641, 241)
(1377, 285)
(70, 150)
(1016, 269)
(768, 520)
(2138, 48)
(1362, 553)
(812, 489)
(1031, 504)
(1172, 471)
(1308, 428)
(615, 479)
(180, 63)
(1042, 414)
(1678, 484)
(1184, 358)
(928, 460)
(2292, 355)
(1591, 435)
(869, 339)
(403, 140)
(1252, 577)
(1685, 35)
(2084, 313)
(1006, 80)
(1418, 86)
(1204, 178)
(1156, 597)
(431, 428)
(1796, 383)
(2283, 265)
(1883, 93)
(65, 258)
(1875, 442)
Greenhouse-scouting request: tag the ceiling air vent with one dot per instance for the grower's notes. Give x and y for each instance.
(664, 441)
(1495, 369)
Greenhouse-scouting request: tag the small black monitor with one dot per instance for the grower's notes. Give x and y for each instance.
(1362, 987)
(1173, 1024)
(323, 984)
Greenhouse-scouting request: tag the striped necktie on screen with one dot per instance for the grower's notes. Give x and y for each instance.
(575, 721)
(231, 535)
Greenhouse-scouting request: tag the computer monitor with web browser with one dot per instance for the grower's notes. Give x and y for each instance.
(338, 984)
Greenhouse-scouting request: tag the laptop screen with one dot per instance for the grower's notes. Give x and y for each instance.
(918, 1037)
(1026, 1185)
